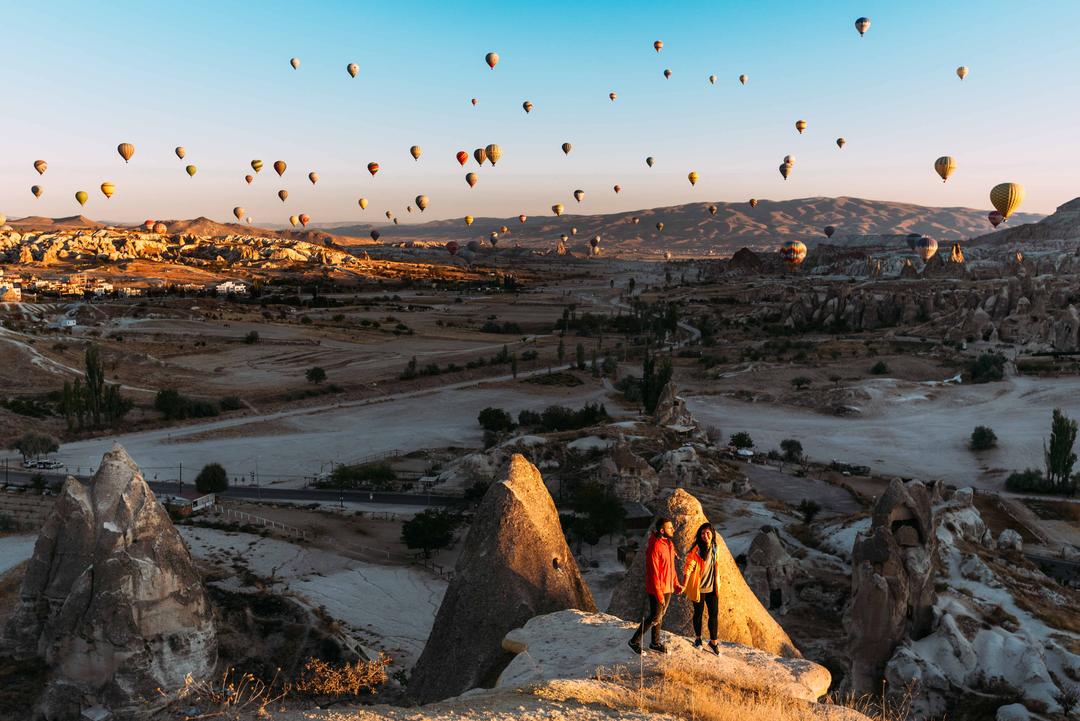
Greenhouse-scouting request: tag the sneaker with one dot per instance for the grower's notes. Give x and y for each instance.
(714, 647)
(697, 643)
(634, 646)
(658, 647)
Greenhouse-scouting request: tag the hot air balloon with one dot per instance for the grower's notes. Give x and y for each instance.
(793, 252)
(352, 69)
(595, 242)
(473, 246)
(40, 166)
(493, 153)
(800, 125)
(279, 167)
(313, 177)
(557, 209)
(522, 218)
(612, 96)
(283, 194)
(578, 195)
(256, 165)
(452, 247)
(753, 202)
(660, 227)
(471, 179)
(528, 106)
(957, 254)
(789, 159)
(1007, 197)
(995, 217)
(912, 239)
(107, 189)
(479, 155)
(1019, 257)
(462, 157)
(36, 190)
(862, 25)
(692, 177)
(373, 168)
(573, 231)
(491, 59)
(667, 73)
(191, 170)
(503, 229)
(743, 79)
(180, 152)
(658, 45)
(238, 212)
(649, 161)
(962, 72)
(493, 239)
(712, 80)
(389, 215)
(840, 142)
(408, 208)
(415, 152)
(829, 230)
(294, 220)
(295, 62)
(566, 148)
(249, 178)
(712, 210)
(421, 202)
(126, 150)
(944, 166)
(474, 102)
(564, 237)
(82, 197)
(635, 220)
(926, 248)
(362, 203)
(304, 219)
(617, 188)
(375, 234)
(785, 169)
(148, 224)
(161, 228)
(468, 220)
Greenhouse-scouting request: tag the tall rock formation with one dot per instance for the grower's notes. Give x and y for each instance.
(515, 565)
(111, 600)
(742, 617)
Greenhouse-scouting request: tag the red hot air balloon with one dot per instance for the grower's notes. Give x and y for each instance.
(462, 157)
(304, 218)
(995, 217)
(452, 247)
(373, 168)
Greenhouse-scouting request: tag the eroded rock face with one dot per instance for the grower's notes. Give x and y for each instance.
(515, 565)
(770, 570)
(892, 582)
(742, 617)
(111, 599)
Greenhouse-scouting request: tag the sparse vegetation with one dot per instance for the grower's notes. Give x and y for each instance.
(983, 438)
(329, 682)
(987, 368)
(315, 375)
(800, 382)
(809, 510)
(32, 445)
(212, 479)
(175, 406)
(430, 530)
(377, 476)
(792, 449)
(879, 369)
(741, 440)
(495, 420)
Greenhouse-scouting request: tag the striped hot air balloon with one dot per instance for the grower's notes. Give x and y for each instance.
(1007, 197)
(944, 166)
(494, 152)
(793, 252)
(862, 25)
(926, 247)
(126, 150)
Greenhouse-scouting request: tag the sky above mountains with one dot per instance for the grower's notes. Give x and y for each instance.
(79, 78)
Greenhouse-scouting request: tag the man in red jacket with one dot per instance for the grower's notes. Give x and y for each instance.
(661, 580)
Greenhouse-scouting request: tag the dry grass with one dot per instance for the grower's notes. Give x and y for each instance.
(322, 679)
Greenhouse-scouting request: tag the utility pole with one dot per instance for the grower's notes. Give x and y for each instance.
(180, 481)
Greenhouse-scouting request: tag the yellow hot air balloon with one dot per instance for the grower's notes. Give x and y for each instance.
(944, 166)
(712, 210)
(753, 202)
(962, 72)
(566, 148)
(692, 177)
(557, 209)
(294, 220)
(421, 202)
(40, 166)
(191, 170)
(573, 231)
(363, 203)
(238, 212)
(36, 190)
(352, 69)
(579, 195)
(126, 150)
(471, 179)
(468, 220)
(785, 169)
(1006, 198)
(313, 177)
(82, 197)
(494, 152)
(415, 152)
(800, 125)
(256, 165)
(180, 152)
(107, 189)
(743, 79)
(295, 62)
(283, 194)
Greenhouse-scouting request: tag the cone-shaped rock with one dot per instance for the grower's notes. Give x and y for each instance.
(111, 599)
(515, 565)
(742, 617)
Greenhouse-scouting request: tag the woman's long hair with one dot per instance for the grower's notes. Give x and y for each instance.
(699, 544)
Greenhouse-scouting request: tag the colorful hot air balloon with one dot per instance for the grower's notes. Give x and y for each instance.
(944, 166)
(617, 188)
(279, 167)
(573, 231)
(362, 203)
(829, 230)
(793, 252)
(522, 218)
(295, 62)
(692, 177)
(800, 125)
(667, 73)
(649, 161)
(712, 80)
(473, 246)
(256, 165)
(452, 247)
(658, 45)
(82, 197)
(557, 209)
(491, 59)
(40, 166)
(962, 72)
(421, 202)
(474, 102)
(107, 189)
(503, 229)
(161, 228)
(595, 242)
(528, 106)
(180, 152)
(785, 169)
(493, 239)
(660, 227)
(462, 157)
(294, 220)
(1007, 197)
(126, 150)
(635, 220)
(148, 224)
(471, 179)
(995, 217)
(468, 220)
(373, 168)
(313, 177)
(304, 219)
(840, 142)
(375, 234)
(352, 69)
(712, 210)
(578, 195)
(36, 190)
(249, 178)
(789, 159)
(743, 79)
(415, 151)
(238, 212)
(753, 202)
(191, 170)
(612, 96)
(926, 248)
(862, 25)
(283, 194)
(566, 148)
(479, 155)
(389, 215)
(493, 153)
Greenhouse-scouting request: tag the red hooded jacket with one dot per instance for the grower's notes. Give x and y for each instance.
(660, 575)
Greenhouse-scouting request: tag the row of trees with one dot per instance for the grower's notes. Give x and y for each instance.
(91, 402)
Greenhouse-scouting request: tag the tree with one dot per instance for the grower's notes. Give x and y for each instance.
(792, 449)
(987, 368)
(315, 375)
(579, 353)
(95, 383)
(741, 440)
(561, 351)
(835, 380)
(800, 382)
(983, 438)
(514, 364)
(600, 512)
(430, 530)
(1059, 454)
(879, 368)
(809, 509)
(32, 444)
(495, 420)
(252, 337)
(212, 479)
(653, 381)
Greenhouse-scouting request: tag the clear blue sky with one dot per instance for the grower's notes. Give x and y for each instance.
(78, 78)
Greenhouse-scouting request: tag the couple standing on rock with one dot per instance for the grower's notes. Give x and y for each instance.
(662, 579)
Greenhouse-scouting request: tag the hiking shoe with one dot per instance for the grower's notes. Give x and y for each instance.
(634, 646)
(658, 647)
(697, 643)
(714, 647)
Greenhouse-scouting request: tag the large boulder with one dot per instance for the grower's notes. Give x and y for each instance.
(742, 617)
(111, 600)
(515, 564)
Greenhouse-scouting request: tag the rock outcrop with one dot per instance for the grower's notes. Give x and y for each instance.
(770, 570)
(742, 617)
(111, 600)
(627, 475)
(515, 564)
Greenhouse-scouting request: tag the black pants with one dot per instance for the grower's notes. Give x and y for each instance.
(653, 617)
(707, 599)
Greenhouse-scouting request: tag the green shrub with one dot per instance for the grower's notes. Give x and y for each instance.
(879, 368)
(987, 368)
(983, 438)
(212, 479)
(495, 420)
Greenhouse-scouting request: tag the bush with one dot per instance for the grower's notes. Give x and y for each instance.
(987, 368)
(212, 479)
(560, 418)
(792, 449)
(741, 440)
(315, 375)
(431, 529)
(33, 444)
(800, 382)
(252, 337)
(983, 438)
(600, 512)
(1029, 480)
(7, 523)
(809, 509)
(368, 475)
(879, 368)
(528, 419)
(174, 406)
(495, 420)
(231, 403)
